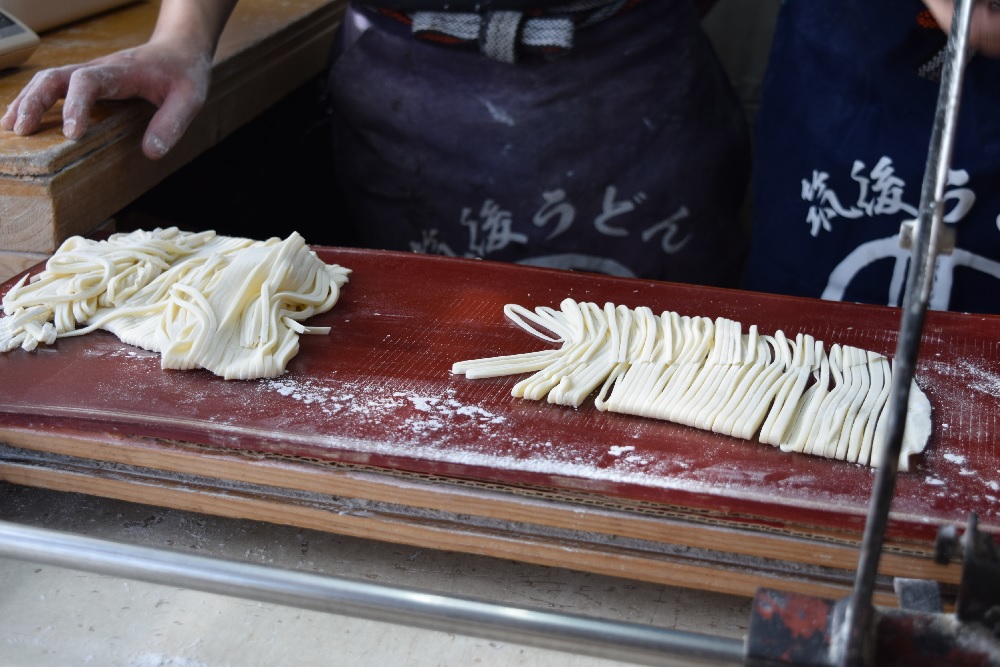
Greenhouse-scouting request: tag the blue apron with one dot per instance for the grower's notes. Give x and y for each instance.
(841, 147)
(628, 155)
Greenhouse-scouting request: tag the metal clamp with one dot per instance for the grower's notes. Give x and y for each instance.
(945, 241)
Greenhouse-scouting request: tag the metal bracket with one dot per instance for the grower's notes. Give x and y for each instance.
(945, 241)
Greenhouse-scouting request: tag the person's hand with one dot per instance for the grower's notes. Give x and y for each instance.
(985, 34)
(168, 75)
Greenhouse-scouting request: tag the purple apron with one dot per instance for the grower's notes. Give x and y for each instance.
(628, 155)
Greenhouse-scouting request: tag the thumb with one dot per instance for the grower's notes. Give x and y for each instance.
(169, 123)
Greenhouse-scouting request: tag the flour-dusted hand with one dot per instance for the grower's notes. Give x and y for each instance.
(176, 83)
(172, 71)
(985, 35)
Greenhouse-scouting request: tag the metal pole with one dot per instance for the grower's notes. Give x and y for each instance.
(582, 635)
(918, 289)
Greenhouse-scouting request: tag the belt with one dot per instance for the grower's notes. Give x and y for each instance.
(503, 34)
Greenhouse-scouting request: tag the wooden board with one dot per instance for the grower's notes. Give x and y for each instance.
(15, 263)
(377, 394)
(52, 188)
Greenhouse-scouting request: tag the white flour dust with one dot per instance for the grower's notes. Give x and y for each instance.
(331, 400)
(439, 412)
(126, 351)
(637, 460)
(373, 404)
(957, 459)
(979, 378)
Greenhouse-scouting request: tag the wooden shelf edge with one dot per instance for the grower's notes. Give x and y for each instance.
(742, 581)
(487, 503)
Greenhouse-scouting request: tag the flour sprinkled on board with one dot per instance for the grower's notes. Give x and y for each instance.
(370, 402)
(425, 422)
(980, 378)
(122, 351)
(307, 392)
(439, 412)
(331, 400)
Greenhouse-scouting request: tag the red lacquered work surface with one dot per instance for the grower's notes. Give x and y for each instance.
(378, 391)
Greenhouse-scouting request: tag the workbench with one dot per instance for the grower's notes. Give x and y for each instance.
(52, 188)
(369, 434)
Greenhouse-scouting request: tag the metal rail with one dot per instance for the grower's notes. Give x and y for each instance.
(630, 642)
(925, 247)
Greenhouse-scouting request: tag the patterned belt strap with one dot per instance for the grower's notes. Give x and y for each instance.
(502, 34)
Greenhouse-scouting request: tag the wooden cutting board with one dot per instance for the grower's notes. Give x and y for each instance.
(378, 392)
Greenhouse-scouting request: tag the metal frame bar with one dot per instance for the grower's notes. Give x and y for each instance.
(603, 638)
(928, 231)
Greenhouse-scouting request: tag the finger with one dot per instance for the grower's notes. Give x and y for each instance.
(45, 89)
(170, 122)
(986, 30)
(7, 120)
(86, 86)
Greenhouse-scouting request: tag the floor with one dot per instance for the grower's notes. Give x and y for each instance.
(53, 617)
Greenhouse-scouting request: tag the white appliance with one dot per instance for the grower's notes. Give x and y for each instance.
(17, 41)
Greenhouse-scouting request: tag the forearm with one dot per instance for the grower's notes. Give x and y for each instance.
(195, 23)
